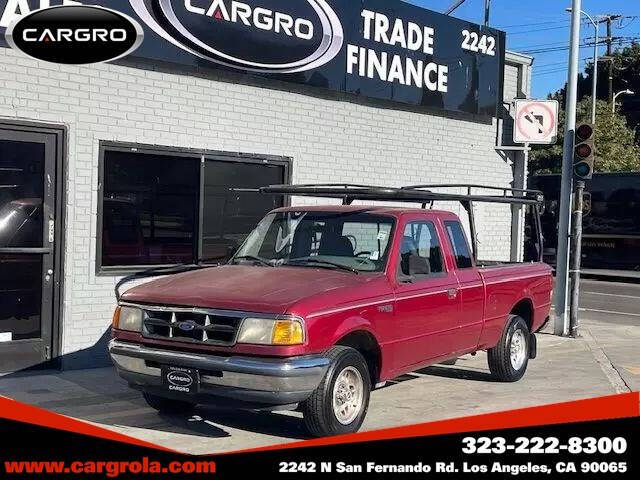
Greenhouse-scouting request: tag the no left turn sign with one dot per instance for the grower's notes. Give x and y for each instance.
(536, 121)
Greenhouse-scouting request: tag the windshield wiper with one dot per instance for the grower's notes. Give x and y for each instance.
(319, 263)
(261, 261)
(165, 271)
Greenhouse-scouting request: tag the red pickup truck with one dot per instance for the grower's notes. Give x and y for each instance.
(321, 304)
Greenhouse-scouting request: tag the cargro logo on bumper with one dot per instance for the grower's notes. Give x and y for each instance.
(180, 380)
(75, 34)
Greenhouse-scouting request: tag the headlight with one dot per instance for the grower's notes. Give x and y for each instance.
(128, 318)
(265, 331)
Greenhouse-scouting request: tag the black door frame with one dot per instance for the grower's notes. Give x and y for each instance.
(59, 133)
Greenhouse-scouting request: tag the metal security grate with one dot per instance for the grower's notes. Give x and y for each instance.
(191, 325)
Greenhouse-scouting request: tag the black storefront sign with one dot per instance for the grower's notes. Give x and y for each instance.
(384, 49)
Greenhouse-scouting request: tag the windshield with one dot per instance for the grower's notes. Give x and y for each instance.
(356, 241)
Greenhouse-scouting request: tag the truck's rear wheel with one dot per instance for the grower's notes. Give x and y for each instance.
(167, 405)
(340, 402)
(509, 359)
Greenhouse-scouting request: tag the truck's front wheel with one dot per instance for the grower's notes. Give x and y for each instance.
(340, 402)
(167, 405)
(509, 359)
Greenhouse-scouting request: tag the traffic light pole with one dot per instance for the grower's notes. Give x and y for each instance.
(562, 255)
(576, 247)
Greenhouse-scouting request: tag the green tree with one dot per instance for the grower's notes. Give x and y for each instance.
(616, 150)
(626, 75)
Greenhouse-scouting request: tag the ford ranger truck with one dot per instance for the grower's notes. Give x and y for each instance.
(322, 304)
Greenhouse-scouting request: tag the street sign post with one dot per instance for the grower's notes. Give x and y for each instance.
(536, 122)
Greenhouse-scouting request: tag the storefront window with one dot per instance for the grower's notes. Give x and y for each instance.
(152, 199)
(150, 209)
(231, 209)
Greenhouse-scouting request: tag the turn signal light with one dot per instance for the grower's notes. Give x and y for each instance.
(287, 333)
(116, 318)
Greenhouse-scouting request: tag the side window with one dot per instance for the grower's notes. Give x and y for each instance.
(459, 244)
(369, 240)
(420, 253)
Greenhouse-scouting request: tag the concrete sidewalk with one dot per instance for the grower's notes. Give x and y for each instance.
(604, 361)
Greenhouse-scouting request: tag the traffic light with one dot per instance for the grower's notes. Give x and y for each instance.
(584, 152)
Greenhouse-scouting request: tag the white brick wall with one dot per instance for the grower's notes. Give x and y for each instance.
(329, 139)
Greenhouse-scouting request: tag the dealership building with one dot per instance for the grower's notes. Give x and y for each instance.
(154, 159)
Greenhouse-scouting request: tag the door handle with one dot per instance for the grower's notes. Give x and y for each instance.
(452, 293)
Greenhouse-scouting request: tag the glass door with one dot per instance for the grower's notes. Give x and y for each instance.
(27, 235)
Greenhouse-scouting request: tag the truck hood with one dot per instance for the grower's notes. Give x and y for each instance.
(243, 287)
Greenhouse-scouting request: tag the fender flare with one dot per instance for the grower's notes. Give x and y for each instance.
(354, 324)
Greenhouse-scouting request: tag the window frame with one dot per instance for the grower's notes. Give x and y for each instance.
(452, 244)
(400, 276)
(188, 153)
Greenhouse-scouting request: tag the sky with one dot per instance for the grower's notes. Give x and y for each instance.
(541, 27)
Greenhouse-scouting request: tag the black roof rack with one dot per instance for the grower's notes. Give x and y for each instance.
(411, 194)
(422, 194)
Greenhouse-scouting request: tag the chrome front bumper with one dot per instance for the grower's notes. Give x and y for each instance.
(271, 381)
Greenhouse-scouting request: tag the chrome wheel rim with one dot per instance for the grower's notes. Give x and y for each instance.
(348, 393)
(518, 349)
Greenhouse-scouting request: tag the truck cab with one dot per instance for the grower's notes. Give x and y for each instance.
(320, 305)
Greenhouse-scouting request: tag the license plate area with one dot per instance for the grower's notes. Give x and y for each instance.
(180, 379)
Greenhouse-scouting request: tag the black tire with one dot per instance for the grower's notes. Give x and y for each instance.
(319, 417)
(499, 356)
(168, 405)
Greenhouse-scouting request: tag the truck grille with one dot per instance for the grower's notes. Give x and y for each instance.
(191, 325)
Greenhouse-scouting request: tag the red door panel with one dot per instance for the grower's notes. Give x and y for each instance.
(427, 301)
(425, 320)
(471, 315)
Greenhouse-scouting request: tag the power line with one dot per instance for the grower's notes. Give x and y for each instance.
(586, 45)
(535, 30)
(566, 25)
(536, 45)
(555, 67)
(537, 74)
(534, 24)
(632, 18)
(545, 71)
(556, 49)
(563, 62)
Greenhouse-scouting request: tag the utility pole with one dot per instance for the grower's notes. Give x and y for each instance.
(609, 53)
(487, 10)
(561, 326)
(609, 19)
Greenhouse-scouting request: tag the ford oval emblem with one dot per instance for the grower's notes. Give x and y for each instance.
(75, 34)
(180, 379)
(266, 36)
(186, 326)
